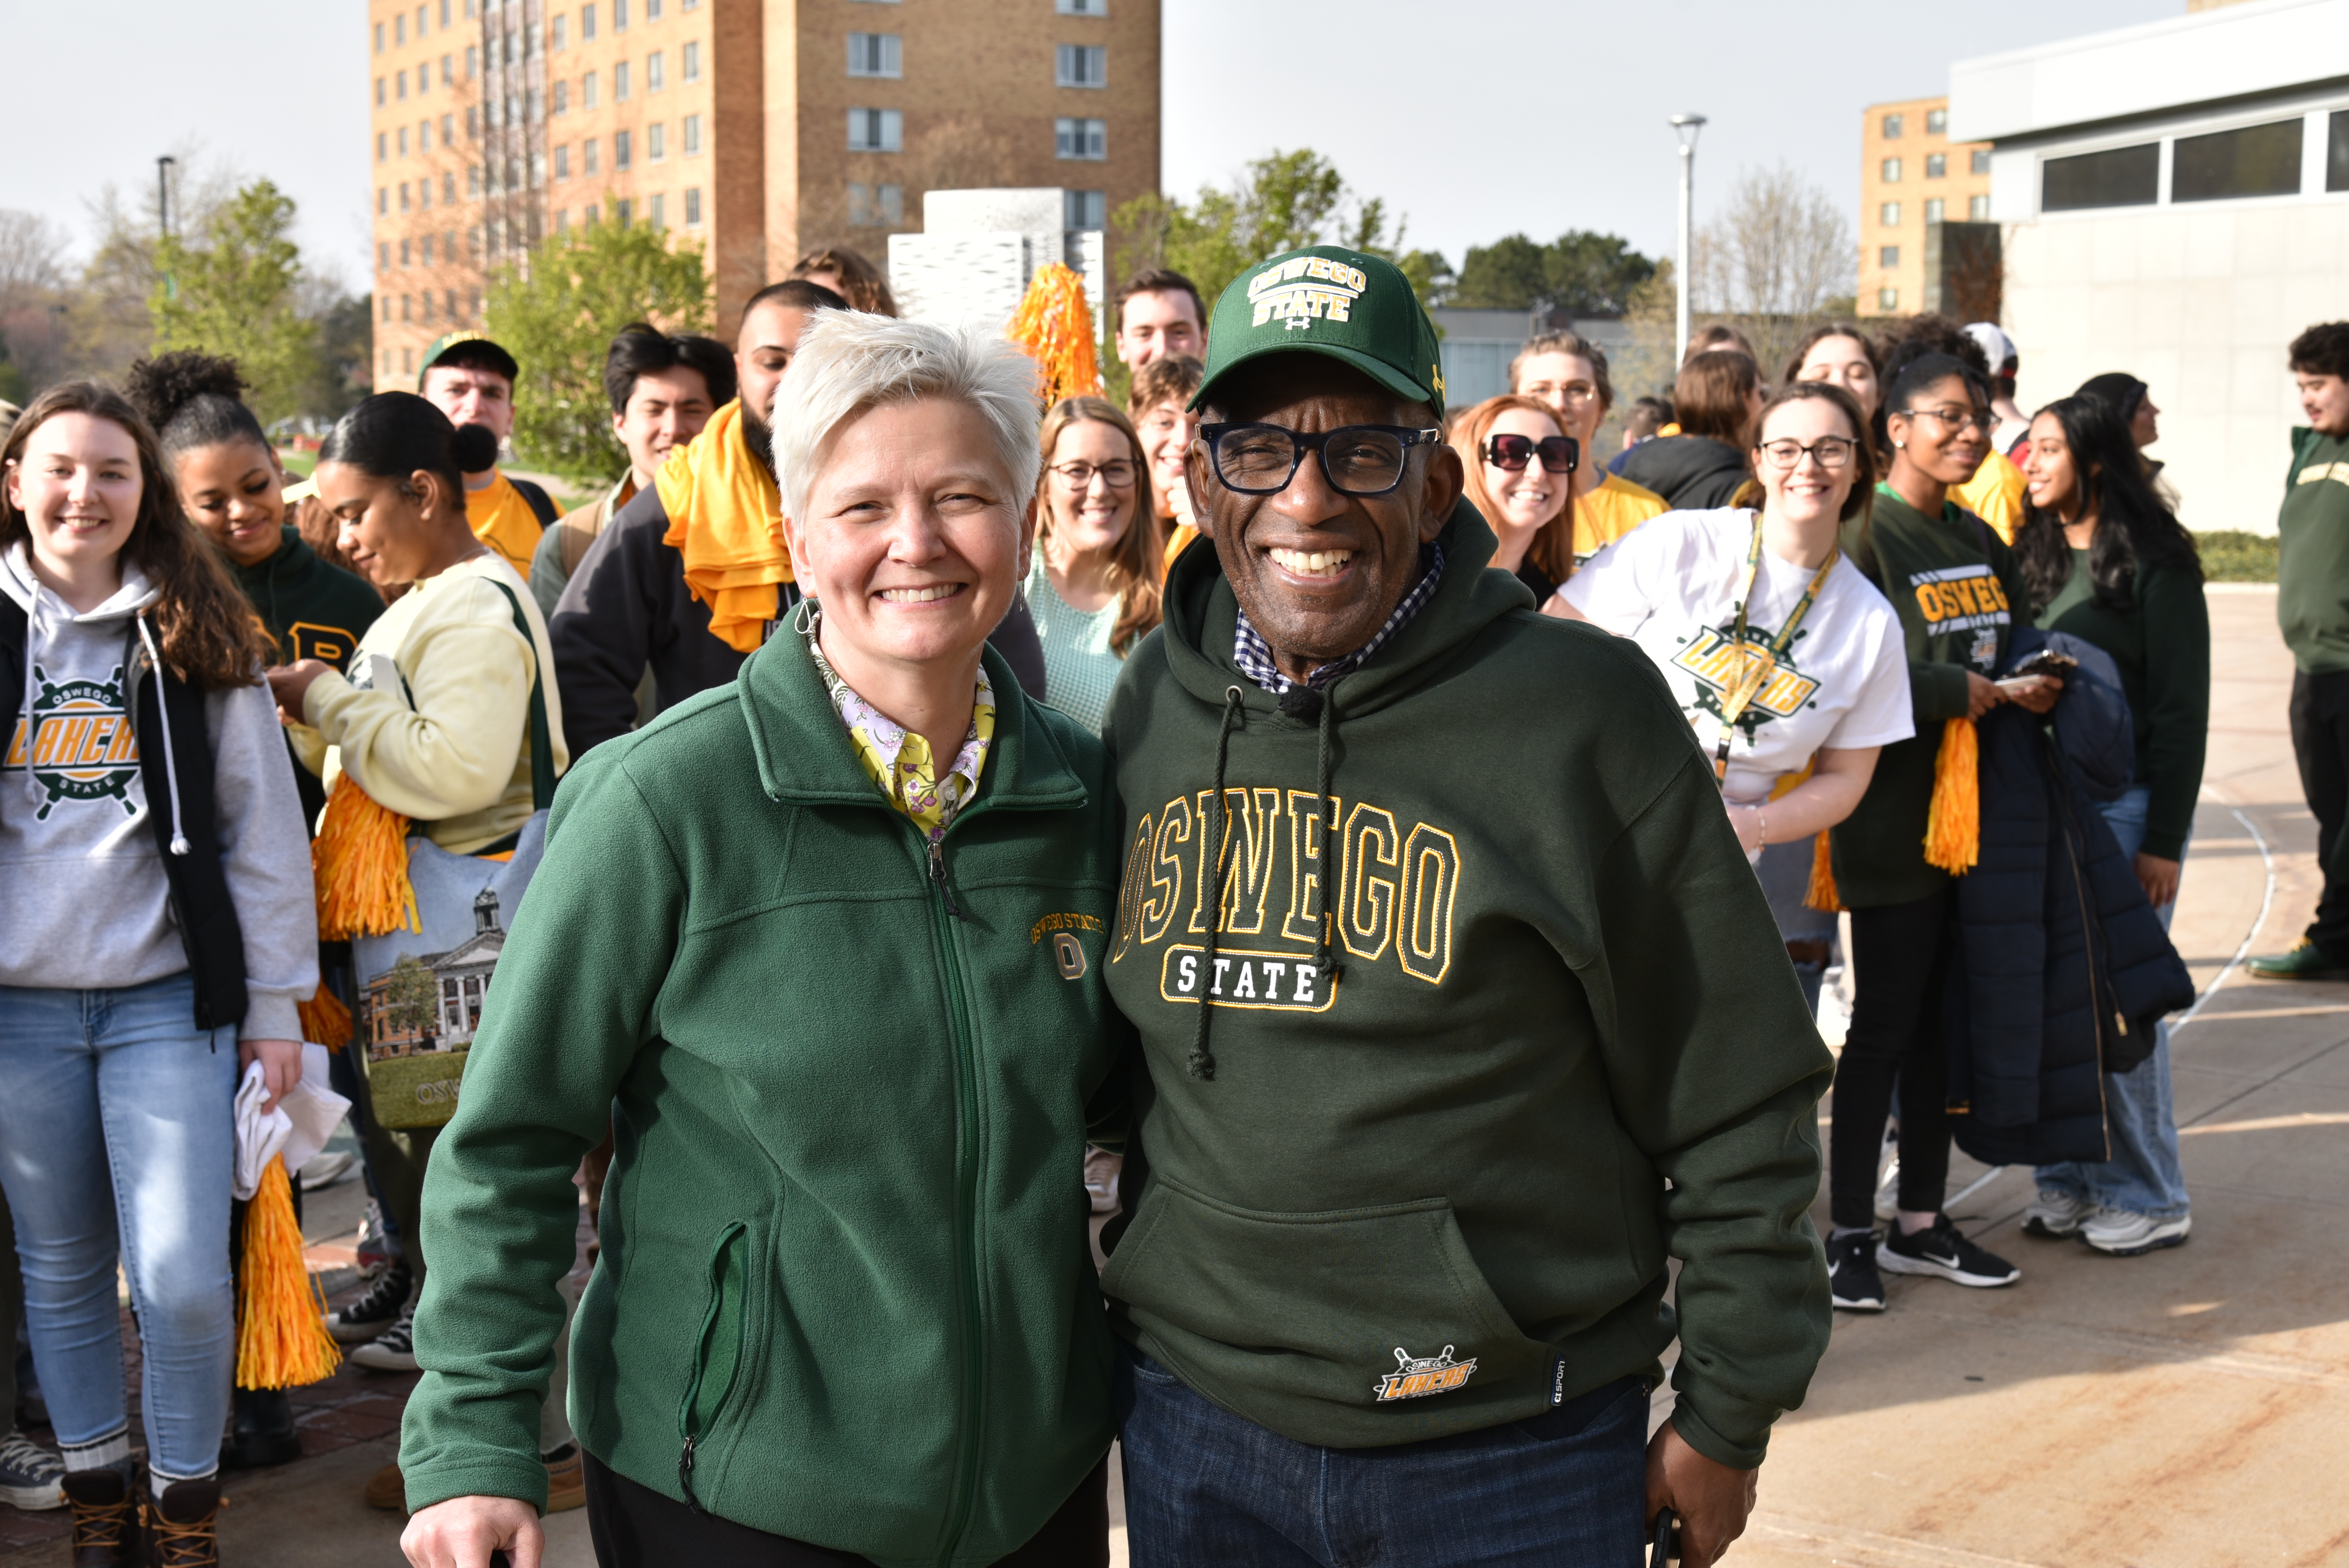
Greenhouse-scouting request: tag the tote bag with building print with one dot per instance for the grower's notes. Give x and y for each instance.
(420, 993)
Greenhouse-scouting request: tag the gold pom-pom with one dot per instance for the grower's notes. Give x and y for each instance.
(324, 1019)
(1821, 895)
(359, 862)
(281, 1334)
(1054, 324)
(1953, 823)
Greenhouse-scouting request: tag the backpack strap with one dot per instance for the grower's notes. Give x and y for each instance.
(541, 504)
(541, 736)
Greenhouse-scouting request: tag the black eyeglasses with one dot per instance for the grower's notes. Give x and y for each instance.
(1559, 454)
(1834, 453)
(1357, 459)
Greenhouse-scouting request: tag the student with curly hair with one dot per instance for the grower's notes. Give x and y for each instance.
(160, 934)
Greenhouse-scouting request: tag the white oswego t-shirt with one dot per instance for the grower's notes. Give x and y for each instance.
(1671, 586)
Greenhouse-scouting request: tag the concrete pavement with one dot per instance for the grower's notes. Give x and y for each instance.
(2186, 1410)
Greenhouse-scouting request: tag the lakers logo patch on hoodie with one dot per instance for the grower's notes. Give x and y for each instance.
(77, 740)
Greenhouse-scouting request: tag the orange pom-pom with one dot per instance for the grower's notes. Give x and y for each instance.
(1954, 822)
(359, 862)
(1054, 324)
(281, 1334)
(1821, 895)
(324, 1019)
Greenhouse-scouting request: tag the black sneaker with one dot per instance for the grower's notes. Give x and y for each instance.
(1853, 1283)
(377, 1310)
(1941, 1250)
(393, 1350)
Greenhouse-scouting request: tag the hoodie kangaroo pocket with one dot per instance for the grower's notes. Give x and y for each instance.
(1354, 1307)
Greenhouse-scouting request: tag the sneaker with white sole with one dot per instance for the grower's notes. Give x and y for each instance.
(2055, 1214)
(1853, 1284)
(31, 1476)
(2124, 1234)
(393, 1350)
(375, 1310)
(327, 1168)
(1942, 1250)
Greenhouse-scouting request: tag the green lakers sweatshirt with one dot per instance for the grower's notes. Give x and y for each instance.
(1435, 1190)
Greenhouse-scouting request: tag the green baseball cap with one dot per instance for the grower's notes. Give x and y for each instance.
(1358, 309)
(495, 353)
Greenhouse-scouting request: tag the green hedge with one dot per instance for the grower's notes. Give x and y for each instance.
(2231, 555)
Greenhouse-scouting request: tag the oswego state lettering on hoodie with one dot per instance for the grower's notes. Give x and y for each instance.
(1391, 883)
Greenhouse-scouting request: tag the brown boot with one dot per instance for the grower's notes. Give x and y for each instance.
(182, 1525)
(105, 1519)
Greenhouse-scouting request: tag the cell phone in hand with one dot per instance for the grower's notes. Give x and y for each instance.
(1667, 1549)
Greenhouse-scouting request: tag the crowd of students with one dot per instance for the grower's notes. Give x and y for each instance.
(245, 705)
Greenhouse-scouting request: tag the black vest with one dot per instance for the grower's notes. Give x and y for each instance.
(197, 881)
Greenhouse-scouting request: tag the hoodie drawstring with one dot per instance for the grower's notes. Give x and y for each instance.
(180, 845)
(1305, 703)
(1203, 1060)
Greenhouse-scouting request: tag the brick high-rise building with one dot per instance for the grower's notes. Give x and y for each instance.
(1913, 179)
(759, 128)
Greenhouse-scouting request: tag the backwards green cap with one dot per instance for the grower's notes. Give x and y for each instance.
(1358, 309)
(499, 359)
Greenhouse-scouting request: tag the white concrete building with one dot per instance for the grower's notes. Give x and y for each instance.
(2175, 200)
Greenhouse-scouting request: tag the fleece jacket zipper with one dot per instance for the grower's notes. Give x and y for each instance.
(945, 918)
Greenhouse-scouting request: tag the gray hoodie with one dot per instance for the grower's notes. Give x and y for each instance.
(84, 905)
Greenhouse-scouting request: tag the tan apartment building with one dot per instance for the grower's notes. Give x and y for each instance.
(1913, 179)
(760, 128)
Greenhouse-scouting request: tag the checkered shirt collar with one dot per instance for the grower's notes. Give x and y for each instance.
(1254, 655)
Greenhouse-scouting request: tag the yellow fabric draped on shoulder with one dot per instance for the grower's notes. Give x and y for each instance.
(726, 517)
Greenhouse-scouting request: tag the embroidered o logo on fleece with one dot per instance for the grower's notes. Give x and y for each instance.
(78, 742)
(1415, 1379)
(1068, 952)
(1304, 289)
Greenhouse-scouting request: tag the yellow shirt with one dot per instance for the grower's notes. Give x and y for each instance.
(1994, 495)
(1178, 538)
(501, 519)
(453, 752)
(1608, 513)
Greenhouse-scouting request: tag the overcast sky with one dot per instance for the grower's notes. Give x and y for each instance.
(1474, 118)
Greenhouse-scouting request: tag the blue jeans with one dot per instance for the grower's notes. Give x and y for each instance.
(2142, 1176)
(1203, 1485)
(1785, 871)
(117, 1139)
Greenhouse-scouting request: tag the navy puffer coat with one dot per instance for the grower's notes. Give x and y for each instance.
(2062, 969)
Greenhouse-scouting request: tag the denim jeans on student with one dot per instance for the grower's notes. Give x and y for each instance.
(118, 1138)
(2142, 1176)
(1203, 1485)
(1785, 871)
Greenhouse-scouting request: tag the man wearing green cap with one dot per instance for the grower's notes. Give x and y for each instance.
(1461, 1011)
(471, 381)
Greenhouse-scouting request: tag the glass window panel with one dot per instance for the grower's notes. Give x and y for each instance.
(2121, 177)
(2255, 160)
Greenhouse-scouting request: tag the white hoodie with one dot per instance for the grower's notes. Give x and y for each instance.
(84, 905)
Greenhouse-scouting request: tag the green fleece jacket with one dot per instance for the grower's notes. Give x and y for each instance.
(1956, 587)
(313, 609)
(1436, 1191)
(2313, 560)
(846, 1292)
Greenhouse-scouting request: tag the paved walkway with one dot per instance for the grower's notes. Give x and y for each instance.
(2188, 1410)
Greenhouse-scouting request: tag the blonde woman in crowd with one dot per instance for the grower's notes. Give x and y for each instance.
(1568, 372)
(1521, 466)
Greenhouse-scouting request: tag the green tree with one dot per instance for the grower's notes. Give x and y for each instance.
(229, 288)
(411, 998)
(555, 311)
(1510, 273)
(1285, 202)
(1579, 271)
(341, 375)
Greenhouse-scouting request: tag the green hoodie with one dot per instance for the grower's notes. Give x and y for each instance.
(1958, 591)
(845, 1288)
(1561, 989)
(2312, 568)
(313, 609)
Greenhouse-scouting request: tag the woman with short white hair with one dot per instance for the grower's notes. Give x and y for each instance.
(826, 946)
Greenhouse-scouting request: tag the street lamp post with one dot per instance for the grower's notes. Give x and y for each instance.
(164, 195)
(1684, 126)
